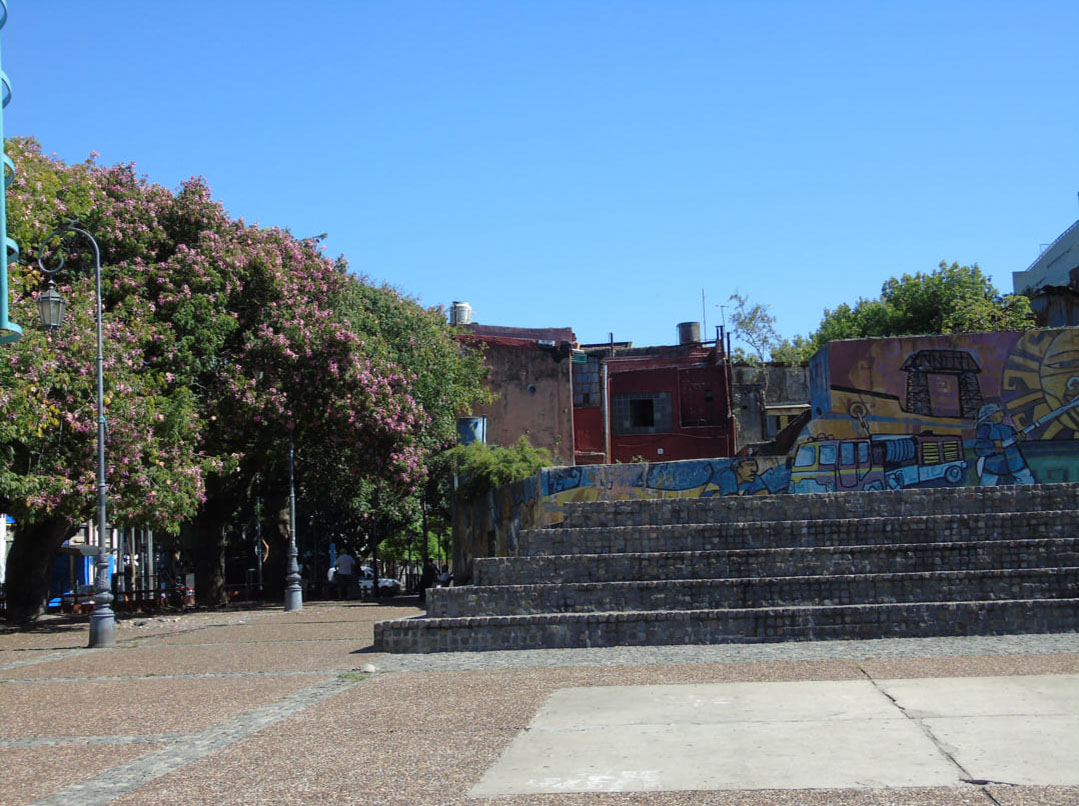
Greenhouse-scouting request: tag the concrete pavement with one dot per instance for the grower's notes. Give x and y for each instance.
(261, 706)
(864, 734)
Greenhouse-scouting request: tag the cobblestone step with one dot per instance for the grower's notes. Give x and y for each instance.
(713, 594)
(888, 504)
(908, 563)
(909, 557)
(666, 627)
(797, 533)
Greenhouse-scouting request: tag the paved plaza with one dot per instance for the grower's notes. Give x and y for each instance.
(264, 707)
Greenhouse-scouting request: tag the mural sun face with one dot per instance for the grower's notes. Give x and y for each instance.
(1059, 373)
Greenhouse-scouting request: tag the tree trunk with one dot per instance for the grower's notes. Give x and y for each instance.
(29, 564)
(206, 538)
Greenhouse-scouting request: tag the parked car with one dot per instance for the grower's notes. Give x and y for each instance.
(387, 586)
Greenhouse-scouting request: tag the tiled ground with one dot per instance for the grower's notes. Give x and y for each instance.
(266, 707)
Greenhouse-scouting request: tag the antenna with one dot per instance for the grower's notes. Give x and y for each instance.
(704, 315)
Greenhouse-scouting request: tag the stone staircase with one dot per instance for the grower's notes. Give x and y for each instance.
(950, 561)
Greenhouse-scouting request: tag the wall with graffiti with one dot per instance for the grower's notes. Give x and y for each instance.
(929, 411)
(974, 408)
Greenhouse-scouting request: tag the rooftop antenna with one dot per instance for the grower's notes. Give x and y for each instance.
(704, 316)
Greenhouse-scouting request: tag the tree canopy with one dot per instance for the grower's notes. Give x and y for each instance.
(222, 341)
(951, 299)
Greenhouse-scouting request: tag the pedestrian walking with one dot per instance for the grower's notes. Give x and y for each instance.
(346, 569)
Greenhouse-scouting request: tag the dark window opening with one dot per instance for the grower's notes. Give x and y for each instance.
(708, 395)
(641, 414)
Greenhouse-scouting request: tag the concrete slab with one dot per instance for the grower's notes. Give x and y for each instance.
(1031, 750)
(800, 735)
(1016, 730)
(986, 696)
(571, 709)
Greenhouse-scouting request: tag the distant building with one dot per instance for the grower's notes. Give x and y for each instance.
(656, 404)
(767, 398)
(613, 402)
(1054, 266)
(1053, 281)
(601, 403)
(533, 384)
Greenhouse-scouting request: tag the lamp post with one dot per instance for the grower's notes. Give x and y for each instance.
(9, 331)
(293, 591)
(51, 306)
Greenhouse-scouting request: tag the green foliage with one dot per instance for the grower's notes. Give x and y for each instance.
(755, 326)
(952, 299)
(481, 468)
(446, 379)
(793, 351)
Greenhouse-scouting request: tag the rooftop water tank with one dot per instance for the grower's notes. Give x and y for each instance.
(460, 313)
(689, 333)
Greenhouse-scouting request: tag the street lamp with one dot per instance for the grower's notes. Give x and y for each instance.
(293, 591)
(51, 307)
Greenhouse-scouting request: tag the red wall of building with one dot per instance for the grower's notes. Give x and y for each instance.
(695, 423)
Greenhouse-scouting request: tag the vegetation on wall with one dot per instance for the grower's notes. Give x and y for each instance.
(479, 468)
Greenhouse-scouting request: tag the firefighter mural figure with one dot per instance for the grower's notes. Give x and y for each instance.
(995, 443)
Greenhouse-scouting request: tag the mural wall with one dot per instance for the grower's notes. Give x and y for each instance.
(975, 408)
(965, 409)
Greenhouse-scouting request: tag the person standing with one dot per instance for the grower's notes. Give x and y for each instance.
(427, 579)
(346, 569)
(445, 579)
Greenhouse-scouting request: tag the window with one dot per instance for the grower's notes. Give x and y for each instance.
(806, 456)
(641, 414)
(586, 384)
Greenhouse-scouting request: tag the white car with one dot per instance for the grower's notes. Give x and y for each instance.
(387, 586)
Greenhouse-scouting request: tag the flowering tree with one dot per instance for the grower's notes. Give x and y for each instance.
(222, 341)
(446, 380)
(47, 392)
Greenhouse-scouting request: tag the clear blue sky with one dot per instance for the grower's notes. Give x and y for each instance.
(595, 165)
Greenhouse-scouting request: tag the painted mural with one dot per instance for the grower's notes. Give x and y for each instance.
(976, 408)
(887, 414)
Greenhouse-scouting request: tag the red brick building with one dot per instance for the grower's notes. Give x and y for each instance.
(599, 404)
(657, 404)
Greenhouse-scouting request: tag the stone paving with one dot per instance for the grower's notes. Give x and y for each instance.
(264, 707)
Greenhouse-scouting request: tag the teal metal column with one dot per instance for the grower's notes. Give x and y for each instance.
(9, 331)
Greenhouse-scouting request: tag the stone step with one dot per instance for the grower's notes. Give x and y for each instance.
(806, 533)
(909, 557)
(895, 503)
(716, 594)
(659, 628)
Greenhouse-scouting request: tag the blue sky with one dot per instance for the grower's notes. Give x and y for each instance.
(596, 165)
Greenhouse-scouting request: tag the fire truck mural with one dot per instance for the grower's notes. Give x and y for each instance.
(888, 414)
